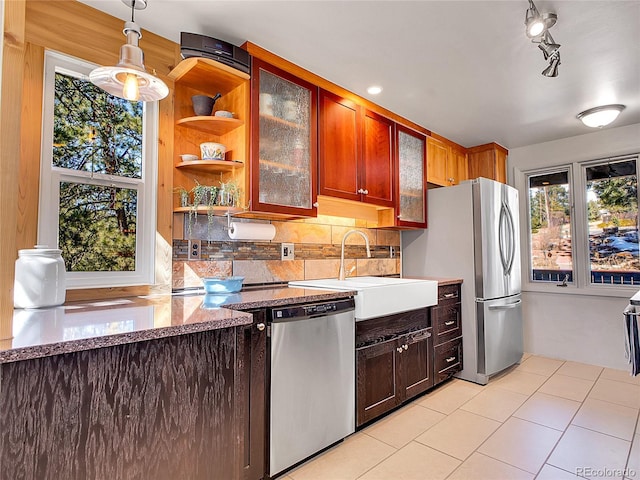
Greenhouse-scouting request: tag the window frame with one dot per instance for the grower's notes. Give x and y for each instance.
(51, 176)
(581, 284)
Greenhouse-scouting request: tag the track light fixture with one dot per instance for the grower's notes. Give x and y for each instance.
(537, 29)
(537, 23)
(129, 79)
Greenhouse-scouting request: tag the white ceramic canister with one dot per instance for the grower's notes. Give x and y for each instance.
(40, 278)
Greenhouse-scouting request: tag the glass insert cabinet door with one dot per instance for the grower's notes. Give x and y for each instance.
(284, 142)
(411, 207)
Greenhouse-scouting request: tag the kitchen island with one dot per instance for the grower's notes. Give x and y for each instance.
(145, 388)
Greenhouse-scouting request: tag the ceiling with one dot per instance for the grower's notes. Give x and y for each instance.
(463, 69)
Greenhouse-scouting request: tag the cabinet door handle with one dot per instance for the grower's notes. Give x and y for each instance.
(316, 204)
(405, 346)
(365, 191)
(450, 295)
(449, 323)
(450, 359)
(260, 326)
(399, 349)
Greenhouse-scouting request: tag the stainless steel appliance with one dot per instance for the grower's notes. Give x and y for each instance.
(312, 380)
(473, 234)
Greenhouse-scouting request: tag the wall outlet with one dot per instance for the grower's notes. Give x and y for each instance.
(392, 252)
(287, 252)
(194, 249)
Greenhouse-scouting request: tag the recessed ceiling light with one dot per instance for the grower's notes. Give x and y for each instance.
(600, 116)
(374, 90)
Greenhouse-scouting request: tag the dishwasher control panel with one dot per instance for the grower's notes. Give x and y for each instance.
(311, 310)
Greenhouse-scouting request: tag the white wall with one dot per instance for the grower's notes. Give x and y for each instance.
(581, 328)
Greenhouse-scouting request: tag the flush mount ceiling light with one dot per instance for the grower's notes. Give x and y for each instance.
(599, 117)
(374, 90)
(536, 23)
(129, 79)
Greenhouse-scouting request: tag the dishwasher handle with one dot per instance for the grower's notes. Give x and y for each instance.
(310, 310)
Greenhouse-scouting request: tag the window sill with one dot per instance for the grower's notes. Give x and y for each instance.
(614, 291)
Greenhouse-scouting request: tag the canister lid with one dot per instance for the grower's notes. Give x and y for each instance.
(40, 250)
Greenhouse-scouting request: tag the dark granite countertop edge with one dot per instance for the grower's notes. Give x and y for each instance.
(235, 316)
(30, 352)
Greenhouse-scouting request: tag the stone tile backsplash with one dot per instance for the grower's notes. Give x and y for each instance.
(316, 245)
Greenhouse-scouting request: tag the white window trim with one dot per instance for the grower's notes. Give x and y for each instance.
(581, 284)
(50, 178)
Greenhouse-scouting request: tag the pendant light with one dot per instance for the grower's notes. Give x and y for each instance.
(599, 117)
(129, 79)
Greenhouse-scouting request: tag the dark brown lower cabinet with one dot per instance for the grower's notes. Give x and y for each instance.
(446, 319)
(252, 354)
(160, 409)
(393, 362)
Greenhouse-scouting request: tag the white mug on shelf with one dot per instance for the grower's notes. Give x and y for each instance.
(266, 104)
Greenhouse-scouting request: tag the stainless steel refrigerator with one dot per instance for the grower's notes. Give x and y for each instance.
(473, 234)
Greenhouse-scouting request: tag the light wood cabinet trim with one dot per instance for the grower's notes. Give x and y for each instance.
(300, 72)
(13, 60)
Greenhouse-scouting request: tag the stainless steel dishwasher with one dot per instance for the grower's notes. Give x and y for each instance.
(312, 395)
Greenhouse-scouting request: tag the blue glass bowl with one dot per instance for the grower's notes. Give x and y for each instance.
(218, 285)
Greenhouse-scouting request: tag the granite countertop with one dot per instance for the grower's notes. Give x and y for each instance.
(441, 280)
(87, 325)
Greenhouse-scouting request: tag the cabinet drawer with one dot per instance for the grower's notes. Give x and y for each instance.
(448, 294)
(448, 359)
(446, 321)
(380, 329)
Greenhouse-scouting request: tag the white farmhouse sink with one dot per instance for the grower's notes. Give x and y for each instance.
(379, 296)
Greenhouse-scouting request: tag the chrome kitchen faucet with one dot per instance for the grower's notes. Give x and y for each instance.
(341, 275)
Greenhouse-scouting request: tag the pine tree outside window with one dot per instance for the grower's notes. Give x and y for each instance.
(97, 179)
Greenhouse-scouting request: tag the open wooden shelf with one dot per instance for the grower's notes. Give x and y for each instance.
(197, 71)
(203, 209)
(210, 165)
(211, 124)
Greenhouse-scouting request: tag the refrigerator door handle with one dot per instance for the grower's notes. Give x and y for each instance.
(507, 257)
(505, 307)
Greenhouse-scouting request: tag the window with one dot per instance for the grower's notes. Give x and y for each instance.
(550, 227)
(97, 179)
(584, 231)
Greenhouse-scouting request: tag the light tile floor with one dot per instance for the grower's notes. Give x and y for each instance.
(544, 419)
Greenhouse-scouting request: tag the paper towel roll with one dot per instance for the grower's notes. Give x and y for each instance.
(251, 231)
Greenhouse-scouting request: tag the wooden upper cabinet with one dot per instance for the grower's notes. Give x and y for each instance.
(283, 142)
(411, 178)
(489, 161)
(446, 163)
(460, 166)
(339, 146)
(377, 172)
(356, 152)
(438, 154)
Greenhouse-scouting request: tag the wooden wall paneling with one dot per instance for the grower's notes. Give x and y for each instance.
(76, 29)
(160, 409)
(13, 56)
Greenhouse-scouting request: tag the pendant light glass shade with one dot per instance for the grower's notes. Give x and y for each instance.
(129, 79)
(599, 117)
